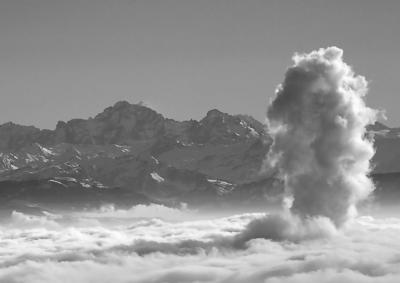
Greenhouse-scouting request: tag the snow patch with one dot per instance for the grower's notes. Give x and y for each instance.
(67, 179)
(122, 148)
(45, 151)
(13, 167)
(252, 131)
(222, 186)
(155, 160)
(157, 177)
(186, 143)
(77, 151)
(57, 182)
(30, 158)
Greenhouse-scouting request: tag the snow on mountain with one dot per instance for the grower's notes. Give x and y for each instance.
(157, 177)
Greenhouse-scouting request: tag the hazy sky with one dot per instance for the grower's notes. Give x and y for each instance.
(71, 59)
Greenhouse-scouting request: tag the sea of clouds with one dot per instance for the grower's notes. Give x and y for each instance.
(159, 244)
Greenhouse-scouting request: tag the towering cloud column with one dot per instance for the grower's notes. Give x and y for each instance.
(318, 122)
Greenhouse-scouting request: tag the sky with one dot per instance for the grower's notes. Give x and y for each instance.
(71, 59)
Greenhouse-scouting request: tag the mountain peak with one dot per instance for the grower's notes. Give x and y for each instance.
(14, 125)
(125, 104)
(215, 116)
(214, 112)
(122, 123)
(7, 124)
(14, 136)
(127, 108)
(121, 104)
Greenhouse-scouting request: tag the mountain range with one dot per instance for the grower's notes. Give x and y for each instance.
(130, 154)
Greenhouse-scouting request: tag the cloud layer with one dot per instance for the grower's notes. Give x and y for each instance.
(87, 249)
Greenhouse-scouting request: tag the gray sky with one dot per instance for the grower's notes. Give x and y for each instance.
(71, 59)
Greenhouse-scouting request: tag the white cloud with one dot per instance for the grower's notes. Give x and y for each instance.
(317, 121)
(154, 250)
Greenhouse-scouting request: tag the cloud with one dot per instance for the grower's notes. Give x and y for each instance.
(279, 227)
(23, 220)
(155, 250)
(144, 211)
(318, 121)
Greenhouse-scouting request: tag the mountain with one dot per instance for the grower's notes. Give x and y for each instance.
(130, 154)
(387, 144)
(126, 124)
(123, 123)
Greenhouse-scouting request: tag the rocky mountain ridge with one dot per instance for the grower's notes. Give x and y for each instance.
(131, 154)
(132, 150)
(126, 123)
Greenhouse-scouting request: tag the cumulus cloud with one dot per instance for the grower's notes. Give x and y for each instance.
(318, 121)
